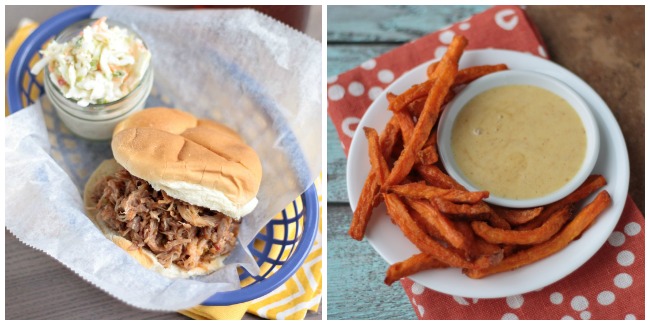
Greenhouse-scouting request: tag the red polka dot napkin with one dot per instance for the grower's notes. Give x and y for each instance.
(611, 285)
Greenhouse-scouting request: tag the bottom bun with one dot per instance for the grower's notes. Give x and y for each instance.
(143, 255)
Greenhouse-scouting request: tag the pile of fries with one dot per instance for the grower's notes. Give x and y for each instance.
(449, 225)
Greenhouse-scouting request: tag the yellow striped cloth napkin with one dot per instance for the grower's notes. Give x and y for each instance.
(25, 28)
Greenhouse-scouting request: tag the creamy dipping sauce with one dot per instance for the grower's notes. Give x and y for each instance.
(518, 142)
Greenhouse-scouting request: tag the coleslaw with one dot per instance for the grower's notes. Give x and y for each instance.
(99, 66)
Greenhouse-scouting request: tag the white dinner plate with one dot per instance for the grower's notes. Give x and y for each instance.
(613, 164)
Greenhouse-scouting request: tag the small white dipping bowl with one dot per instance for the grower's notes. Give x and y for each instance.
(519, 77)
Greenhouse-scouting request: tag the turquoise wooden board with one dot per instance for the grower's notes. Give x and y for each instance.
(336, 188)
(355, 276)
(396, 24)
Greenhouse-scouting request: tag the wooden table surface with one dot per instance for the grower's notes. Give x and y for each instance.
(602, 45)
(39, 287)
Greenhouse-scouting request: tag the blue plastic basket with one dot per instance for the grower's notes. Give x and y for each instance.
(299, 227)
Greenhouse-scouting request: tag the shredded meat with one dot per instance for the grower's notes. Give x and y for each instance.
(175, 231)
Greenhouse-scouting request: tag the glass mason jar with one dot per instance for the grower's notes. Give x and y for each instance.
(97, 121)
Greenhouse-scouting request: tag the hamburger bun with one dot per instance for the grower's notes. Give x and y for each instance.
(198, 161)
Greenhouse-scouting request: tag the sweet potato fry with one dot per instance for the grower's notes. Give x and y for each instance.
(446, 228)
(480, 211)
(481, 250)
(448, 207)
(434, 176)
(481, 247)
(390, 97)
(399, 214)
(445, 75)
(470, 74)
(363, 211)
(410, 266)
(432, 140)
(466, 230)
(431, 69)
(377, 162)
(485, 261)
(523, 237)
(428, 155)
(572, 230)
(397, 150)
(425, 224)
(423, 191)
(494, 219)
(369, 197)
(388, 138)
(406, 124)
(416, 91)
(415, 107)
(518, 216)
(432, 231)
(591, 185)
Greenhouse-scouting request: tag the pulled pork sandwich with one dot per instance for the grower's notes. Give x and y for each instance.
(174, 195)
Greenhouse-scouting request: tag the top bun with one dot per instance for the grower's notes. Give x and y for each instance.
(198, 161)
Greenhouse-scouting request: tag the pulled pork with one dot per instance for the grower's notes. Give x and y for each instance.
(175, 231)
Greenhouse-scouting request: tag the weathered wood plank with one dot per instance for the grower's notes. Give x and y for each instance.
(355, 276)
(391, 23)
(42, 288)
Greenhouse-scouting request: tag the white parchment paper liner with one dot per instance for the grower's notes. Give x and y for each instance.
(238, 67)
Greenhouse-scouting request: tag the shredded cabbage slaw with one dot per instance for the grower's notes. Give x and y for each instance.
(98, 66)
